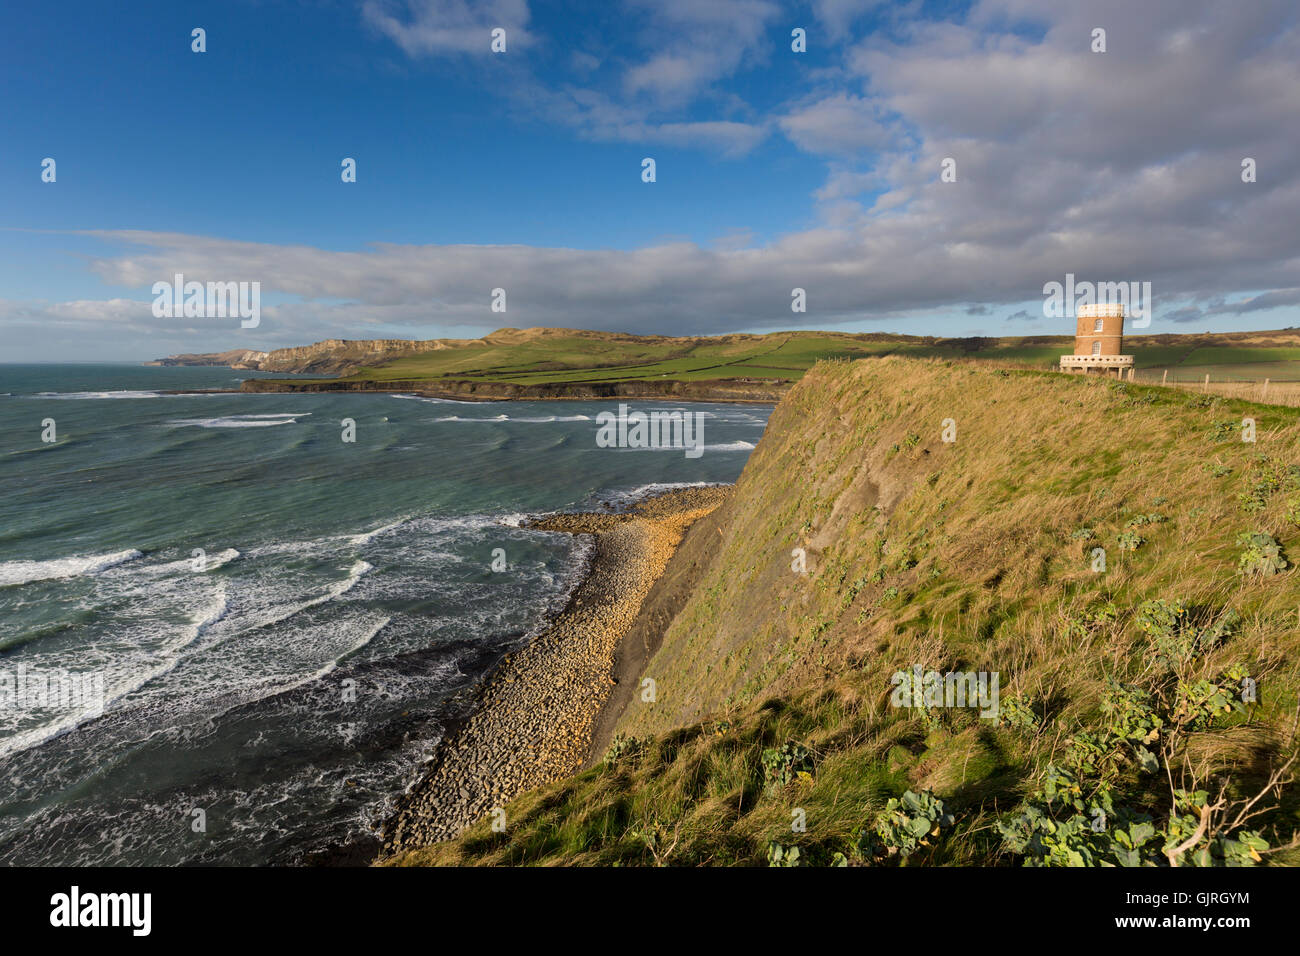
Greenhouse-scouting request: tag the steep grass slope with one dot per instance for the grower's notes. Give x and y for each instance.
(1141, 706)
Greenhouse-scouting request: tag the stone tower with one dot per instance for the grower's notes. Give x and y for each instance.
(1098, 339)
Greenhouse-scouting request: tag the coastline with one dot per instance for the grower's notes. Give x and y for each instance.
(542, 711)
(730, 391)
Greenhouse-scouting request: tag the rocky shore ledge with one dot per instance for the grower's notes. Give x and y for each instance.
(537, 711)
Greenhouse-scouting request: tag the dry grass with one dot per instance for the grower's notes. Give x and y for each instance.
(1275, 393)
(967, 556)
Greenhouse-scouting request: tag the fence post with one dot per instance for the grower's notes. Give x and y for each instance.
(1206, 388)
(1164, 378)
(1264, 394)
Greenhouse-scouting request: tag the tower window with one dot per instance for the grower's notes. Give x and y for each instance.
(1096, 348)
(1096, 326)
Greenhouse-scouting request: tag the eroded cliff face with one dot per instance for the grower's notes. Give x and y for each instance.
(858, 536)
(234, 358)
(327, 357)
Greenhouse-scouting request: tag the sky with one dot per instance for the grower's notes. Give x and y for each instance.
(522, 170)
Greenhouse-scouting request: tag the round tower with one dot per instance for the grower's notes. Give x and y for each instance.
(1098, 342)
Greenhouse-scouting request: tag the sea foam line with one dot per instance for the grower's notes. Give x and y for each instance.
(25, 572)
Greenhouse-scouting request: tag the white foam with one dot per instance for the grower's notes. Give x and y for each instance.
(679, 448)
(210, 563)
(241, 421)
(431, 401)
(731, 446)
(641, 492)
(367, 536)
(24, 572)
(121, 681)
(279, 612)
(545, 420)
(364, 638)
(115, 394)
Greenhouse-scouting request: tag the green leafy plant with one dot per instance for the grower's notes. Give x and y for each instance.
(1015, 713)
(1141, 520)
(1254, 500)
(1082, 623)
(906, 825)
(1074, 817)
(1261, 555)
(622, 746)
(1130, 540)
(1180, 637)
(783, 764)
(1222, 431)
(778, 855)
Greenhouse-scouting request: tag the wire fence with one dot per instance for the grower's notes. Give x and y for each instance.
(1261, 390)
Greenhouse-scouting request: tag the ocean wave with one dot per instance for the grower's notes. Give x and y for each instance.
(506, 418)
(210, 563)
(366, 537)
(240, 421)
(130, 681)
(724, 446)
(280, 612)
(431, 401)
(731, 446)
(124, 393)
(625, 497)
(24, 572)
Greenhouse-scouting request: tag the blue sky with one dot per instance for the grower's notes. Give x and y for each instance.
(521, 170)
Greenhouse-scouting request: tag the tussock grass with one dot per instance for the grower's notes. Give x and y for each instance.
(953, 556)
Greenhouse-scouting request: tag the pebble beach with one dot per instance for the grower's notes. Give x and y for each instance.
(535, 717)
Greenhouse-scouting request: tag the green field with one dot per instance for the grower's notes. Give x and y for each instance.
(565, 358)
(559, 356)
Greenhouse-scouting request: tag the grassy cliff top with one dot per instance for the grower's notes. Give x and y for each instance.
(546, 356)
(1132, 690)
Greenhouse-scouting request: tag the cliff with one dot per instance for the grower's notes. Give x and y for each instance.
(235, 358)
(760, 680)
(507, 349)
(330, 356)
(763, 391)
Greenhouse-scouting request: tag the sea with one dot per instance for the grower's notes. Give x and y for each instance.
(229, 636)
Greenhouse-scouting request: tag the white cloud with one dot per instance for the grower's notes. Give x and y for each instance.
(424, 27)
(841, 124)
(1123, 166)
